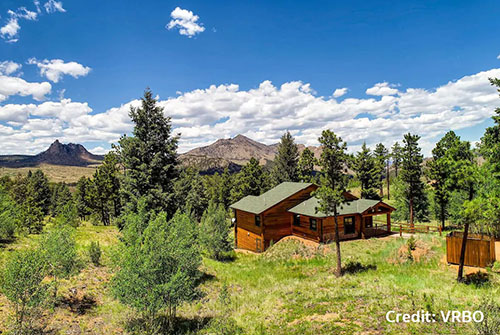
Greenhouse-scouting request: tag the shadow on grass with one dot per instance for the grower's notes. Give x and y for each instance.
(4, 242)
(78, 305)
(477, 279)
(356, 267)
(182, 326)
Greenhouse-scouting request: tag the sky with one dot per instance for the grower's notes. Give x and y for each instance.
(369, 70)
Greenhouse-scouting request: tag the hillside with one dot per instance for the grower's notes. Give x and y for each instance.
(240, 149)
(57, 154)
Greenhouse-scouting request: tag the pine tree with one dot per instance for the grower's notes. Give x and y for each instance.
(9, 215)
(381, 157)
(104, 194)
(82, 197)
(490, 142)
(149, 158)
(397, 157)
(333, 182)
(286, 160)
(251, 180)
(214, 232)
(305, 167)
(411, 171)
(367, 173)
(196, 200)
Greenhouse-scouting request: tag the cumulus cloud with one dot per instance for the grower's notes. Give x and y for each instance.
(186, 22)
(339, 92)
(9, 67)
(54, 69)
(10, 30)
(263, 113)
(18, 86)
(381, 89)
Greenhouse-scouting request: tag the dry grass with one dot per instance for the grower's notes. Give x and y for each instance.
(55, 173)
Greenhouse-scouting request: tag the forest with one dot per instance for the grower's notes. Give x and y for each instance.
(171, 221)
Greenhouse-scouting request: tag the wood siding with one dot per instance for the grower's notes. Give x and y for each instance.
(277, 219)
(329, 228)
(303, 230)
(479, 251)
(246, 230)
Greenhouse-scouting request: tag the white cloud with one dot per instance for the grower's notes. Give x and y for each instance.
(54, 69)
(53, 6)
(339, 92)
(10, 30)
(186, 21)
(263, 113)
(17, 86)
(9, 67)
(381, 89)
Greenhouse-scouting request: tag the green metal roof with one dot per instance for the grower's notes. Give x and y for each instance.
(258, 204)
(309, 206)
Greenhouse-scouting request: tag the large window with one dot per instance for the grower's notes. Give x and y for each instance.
(296, 220)
(349, 227)
(257, 220)
(313, 225)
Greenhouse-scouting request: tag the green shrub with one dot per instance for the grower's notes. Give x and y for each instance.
(95, 253)
(21, 281)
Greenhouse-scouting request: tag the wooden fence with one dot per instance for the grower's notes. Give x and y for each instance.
(406, 228)
(479, 251)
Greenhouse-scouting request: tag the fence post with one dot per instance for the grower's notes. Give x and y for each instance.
(440, 231)
(400, 230)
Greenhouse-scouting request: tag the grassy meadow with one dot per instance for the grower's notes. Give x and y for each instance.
(55, 173)
(290, 289)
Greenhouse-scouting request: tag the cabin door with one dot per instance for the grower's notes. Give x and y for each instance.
(258, 245)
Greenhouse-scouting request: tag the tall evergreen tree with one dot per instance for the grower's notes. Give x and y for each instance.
(286, 160)
(214, 232)
(411, 171)
(333, 182)
(490, 142)
(397, 157)
(365, 166)
(440, 171)
(381, 157)
(82, 197)
(149, 158)
(251, 180)
(105, 197)
(61, 196)
(305, 167)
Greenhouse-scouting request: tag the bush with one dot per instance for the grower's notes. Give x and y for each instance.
(95, 253)
(214, 232)
(22, 283)
(59, 251)
(491, 323)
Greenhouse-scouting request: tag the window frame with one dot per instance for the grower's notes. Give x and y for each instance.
(296, 220)
(257, 220)
(311, 224)
(353, 225)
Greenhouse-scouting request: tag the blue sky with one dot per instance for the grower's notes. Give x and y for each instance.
(324, 45)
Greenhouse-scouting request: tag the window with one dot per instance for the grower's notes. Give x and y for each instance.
(296, 220)
(349, 227)
(313, 224)
(369, 222)
(257, 220)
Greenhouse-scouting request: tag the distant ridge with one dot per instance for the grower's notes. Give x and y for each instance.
(57, 154)
(238, 150)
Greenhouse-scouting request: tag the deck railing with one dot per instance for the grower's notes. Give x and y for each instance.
(376, 230)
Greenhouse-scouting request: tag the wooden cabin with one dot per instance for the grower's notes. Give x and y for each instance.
(289, 209)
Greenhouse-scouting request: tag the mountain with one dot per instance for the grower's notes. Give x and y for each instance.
(57, 154)
(237, 150)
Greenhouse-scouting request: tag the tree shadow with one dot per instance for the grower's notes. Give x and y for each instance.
(477, 279)
(4, 242)
(356, 267)
(181, 326)
(78, 305)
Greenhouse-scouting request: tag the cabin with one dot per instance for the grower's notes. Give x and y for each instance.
(290, 209)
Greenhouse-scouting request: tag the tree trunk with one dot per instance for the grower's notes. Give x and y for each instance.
(338, 271)
(411, 212)
(460, 276)
(388, 182)
(396, 167)
(442, 216)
